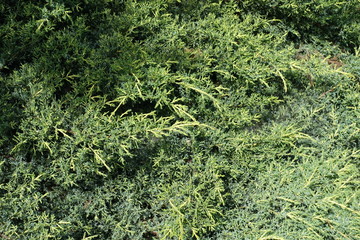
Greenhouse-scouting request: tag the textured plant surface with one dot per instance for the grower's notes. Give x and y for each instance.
(179, 119)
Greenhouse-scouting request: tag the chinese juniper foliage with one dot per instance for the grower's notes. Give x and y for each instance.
(173, 119)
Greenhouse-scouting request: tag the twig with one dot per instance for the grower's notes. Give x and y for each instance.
(5, 237)
(323, 94)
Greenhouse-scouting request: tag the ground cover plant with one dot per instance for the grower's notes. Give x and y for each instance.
(179, 119)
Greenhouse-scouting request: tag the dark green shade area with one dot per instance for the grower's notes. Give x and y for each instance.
(179, 119)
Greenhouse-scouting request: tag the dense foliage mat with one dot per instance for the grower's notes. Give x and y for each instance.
(174, 119)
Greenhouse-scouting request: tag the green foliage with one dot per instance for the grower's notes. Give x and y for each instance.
(333, 20)
(170, 119)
